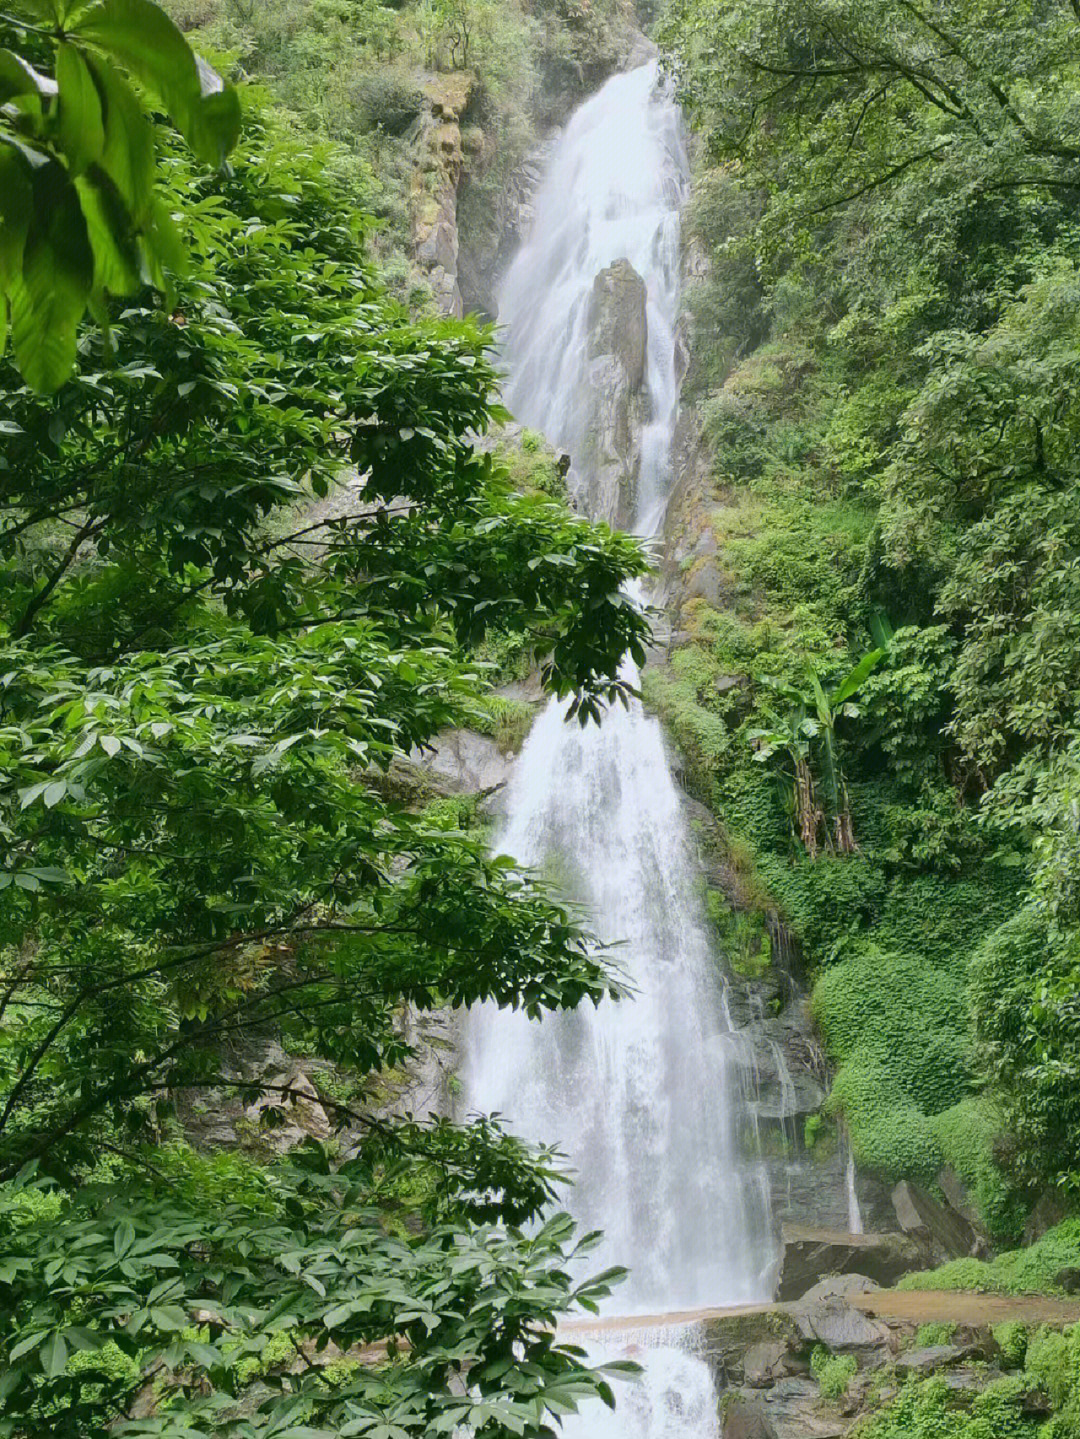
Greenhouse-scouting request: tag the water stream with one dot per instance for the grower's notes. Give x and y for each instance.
(647, 1097)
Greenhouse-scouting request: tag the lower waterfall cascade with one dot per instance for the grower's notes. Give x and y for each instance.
(646, 1096)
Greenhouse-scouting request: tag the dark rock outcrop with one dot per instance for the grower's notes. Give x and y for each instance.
(745, 1418)
(810, 1254)
(617, 338)
(938, 1229)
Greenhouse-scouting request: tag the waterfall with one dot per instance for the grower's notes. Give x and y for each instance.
(646, 1096)
(613, 190)
(855, 1219)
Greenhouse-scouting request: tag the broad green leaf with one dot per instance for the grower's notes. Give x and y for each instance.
(112, 235)
(854, 680)
(54, 1355)
(81, 119)
(128, 153)
(26, 1344)
(18, 77)
(142, 38)
(16, 211)
(49, 298)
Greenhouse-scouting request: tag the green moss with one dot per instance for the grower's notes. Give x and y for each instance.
(969, 1134)
(899, 1029)
(928, 1335)
(702, 736)
(743, 938)
(1033, 1270)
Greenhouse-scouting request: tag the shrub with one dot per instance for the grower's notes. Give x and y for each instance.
(928, 1410)
(833, 1372)
(1033, 1270)
(1053, 1363)
(1012, 1339)
(508, 721)
(969, 1134)
(929, 1335)
(386, 101)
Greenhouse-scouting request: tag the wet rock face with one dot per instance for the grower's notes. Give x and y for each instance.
(941, 1231)
(617, 339)
(617, 320)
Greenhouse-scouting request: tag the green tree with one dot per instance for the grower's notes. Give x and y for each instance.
(247, 556)
(826, 103)
(808, 729)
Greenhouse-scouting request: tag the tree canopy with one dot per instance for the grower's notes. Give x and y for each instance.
(250, 563)
(889, 210)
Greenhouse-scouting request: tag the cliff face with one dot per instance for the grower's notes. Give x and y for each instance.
(434, 189)
(480, 152)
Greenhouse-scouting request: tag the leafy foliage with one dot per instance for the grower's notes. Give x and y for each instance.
(247, 558)
(885, 373)
(1015, 1271)
(80, 216)
(127, 1285)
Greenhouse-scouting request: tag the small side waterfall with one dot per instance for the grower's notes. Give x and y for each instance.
(646, 1096)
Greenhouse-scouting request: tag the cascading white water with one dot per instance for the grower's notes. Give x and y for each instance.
(644, 1095)
(613, 190)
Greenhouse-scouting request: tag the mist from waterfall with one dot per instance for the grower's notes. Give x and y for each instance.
(646, 1095)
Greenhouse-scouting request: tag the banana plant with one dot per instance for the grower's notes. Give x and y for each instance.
(807, 730)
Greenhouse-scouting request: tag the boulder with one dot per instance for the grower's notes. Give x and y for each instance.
(1050, 1209)
(729, 1339)
(833, 1322)
(744, 1418)
(938, 1229)
(837, 1286)
(613, 396)
(933, 1357)
(811, 1254)
(793, 1408)
(616, 319)
(957, 1196)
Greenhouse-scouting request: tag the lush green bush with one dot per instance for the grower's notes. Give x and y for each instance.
(1033, 1270)
(1012, 1339)
(386, 100)
(1024, 986)
(928, 1410)
(833, 1372)
(898, 1029)
(934, 1334)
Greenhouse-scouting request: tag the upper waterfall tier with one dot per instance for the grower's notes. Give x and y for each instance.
(590, 303)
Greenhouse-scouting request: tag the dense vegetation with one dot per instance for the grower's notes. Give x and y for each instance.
(250, 562)
(886, 370)
(248, 555)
